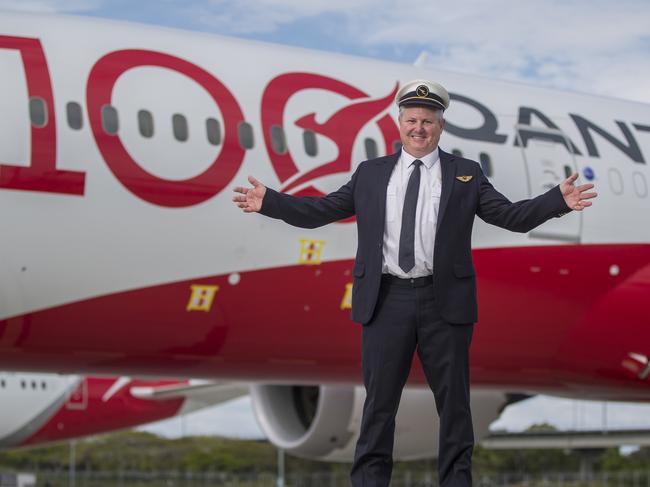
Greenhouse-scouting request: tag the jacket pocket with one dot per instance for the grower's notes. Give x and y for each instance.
(359, 269)
(464, 270)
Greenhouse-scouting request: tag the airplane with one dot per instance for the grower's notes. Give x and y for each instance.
(123, 253)
(40, 408)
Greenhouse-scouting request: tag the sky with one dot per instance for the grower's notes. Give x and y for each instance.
(594, 46)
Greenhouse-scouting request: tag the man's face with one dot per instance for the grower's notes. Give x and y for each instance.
(419, 130)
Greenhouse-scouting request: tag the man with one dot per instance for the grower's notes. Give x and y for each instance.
(414, 281)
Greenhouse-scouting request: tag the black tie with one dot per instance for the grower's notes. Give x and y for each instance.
(407, 233)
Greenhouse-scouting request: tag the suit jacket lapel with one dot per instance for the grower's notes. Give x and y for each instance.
(386, 164)
(448, 170)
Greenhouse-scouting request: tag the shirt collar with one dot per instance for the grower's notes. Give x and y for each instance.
(429, 160)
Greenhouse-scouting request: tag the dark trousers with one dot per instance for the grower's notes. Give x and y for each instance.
(407, 317)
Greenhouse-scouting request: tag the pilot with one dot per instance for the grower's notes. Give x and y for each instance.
(414, 280)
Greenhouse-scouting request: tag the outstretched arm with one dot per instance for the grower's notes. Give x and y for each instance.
(524, 215)
(300, 211)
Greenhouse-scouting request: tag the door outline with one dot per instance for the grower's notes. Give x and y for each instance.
(570, 230)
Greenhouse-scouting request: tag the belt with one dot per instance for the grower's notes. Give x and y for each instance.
(408, 281)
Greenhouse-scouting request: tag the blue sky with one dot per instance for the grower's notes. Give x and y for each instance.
(595, 46)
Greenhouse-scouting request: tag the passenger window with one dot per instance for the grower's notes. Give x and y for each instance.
(640, 185)
(43, 385)
(109, 119)
(74, 115)
(245, 132)
(457, 152)
(37, 111)
(397, 145)
(22, 384)
(309, 141)
(213, 129)
(615, 181)
(179, 125)
(568, 171)
(145, 123)
(486, 164)
(278, 140)
(371, 148)
(2, 383)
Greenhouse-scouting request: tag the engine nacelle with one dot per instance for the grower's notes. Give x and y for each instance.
(322, 422)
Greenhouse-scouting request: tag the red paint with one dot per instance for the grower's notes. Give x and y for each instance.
(149, 187)
(41, 174)
(558, 329)
(343, 127)
(120, 411)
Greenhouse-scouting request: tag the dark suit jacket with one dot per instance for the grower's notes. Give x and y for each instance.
(454, 281)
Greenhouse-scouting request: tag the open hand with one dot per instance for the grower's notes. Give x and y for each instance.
(576, 197)
(250, 199)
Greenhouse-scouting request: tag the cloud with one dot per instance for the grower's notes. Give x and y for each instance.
(592, 46)
(50, 6)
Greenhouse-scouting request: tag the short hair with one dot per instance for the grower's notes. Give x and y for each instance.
(439, 112)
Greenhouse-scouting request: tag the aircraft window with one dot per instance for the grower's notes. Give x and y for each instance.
(278, 140)
(179, 124)
(33, 384)
(397, 146)
(145, 123)
(486, 164)
(640, 185)
(37, 111)
(2, 383)
(22, 384)
(310, 143)
(74, 115)
(109, 119)
(245, 131)
(371, 148)
(43, 385)
(615, 181)
(457, 152)
(568, 171)
(213, 128)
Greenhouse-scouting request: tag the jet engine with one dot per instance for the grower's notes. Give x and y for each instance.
(322, 422)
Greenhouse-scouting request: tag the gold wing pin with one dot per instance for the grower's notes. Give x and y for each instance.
(464, 179)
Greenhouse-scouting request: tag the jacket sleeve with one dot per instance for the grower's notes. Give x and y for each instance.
(521, 216)
(310, 211)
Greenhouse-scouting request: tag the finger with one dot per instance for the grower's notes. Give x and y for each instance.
(254, 182)
(585, 187)
(586, 196)
(585, 203)
(238, 198)
(240, 189)
(571, 179)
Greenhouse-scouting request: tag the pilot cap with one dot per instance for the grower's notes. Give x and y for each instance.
(423, 93)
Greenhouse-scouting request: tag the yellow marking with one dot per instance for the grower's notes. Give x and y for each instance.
(310, 251)
(464, 179)
(346, 302)
(201, 297)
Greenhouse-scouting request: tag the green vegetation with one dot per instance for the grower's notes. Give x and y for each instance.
(146, 452)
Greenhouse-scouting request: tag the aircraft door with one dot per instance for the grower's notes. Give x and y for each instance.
(548, 160)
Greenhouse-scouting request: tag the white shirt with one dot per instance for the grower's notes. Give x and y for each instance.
(426, 214)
